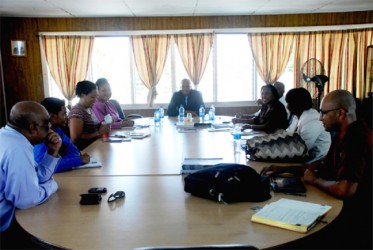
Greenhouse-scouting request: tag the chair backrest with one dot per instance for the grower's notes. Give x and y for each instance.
(118, 107)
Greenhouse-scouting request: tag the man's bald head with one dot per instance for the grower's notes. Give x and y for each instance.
(25, 112)
(341, 99)
(185, 86)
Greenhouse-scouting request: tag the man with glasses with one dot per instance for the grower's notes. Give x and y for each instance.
(345, 172)
(24, 183)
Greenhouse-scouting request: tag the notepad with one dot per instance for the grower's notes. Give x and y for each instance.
(93, 163)
(292, 215)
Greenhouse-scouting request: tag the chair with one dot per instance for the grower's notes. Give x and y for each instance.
(118, 107)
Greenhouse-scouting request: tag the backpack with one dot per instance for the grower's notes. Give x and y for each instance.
(228, 183)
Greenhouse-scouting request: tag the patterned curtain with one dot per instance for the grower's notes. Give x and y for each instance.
(343, 55)
(68, 58)
(271, 54)
(150, 52)
(194, 50)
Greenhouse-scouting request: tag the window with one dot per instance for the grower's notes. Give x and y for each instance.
(230, 74)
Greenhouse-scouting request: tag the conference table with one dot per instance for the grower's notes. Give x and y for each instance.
(156, 210)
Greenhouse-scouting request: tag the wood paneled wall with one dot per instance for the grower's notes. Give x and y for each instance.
(23, 75)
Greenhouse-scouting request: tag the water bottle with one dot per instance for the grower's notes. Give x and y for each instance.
(157, 118)
(181, 113)
(212, 113)
(201, 113)
(161, 112)
(237, 138)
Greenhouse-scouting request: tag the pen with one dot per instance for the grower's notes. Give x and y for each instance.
(297, 194)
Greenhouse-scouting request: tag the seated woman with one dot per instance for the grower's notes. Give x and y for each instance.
(272, 115)
(103, 107)
(70, 155)
(308, 124)
(83, 124)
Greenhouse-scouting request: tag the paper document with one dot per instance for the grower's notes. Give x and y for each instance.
(289, 214)
(93, 163)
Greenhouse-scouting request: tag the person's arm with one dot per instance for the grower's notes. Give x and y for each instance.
(24, 187)
(76, 130)
(172, 106)
(99, 110)
(340, 189)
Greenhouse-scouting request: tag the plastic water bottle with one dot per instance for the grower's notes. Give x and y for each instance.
(181, 113)
(201, 113)
(212, 113)
(161, 112)
(157, 118)
(237, 138)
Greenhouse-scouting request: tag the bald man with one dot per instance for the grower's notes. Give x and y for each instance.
(345, 172)
(24, 183)
(190, 99)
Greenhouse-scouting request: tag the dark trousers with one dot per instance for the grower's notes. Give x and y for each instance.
(15, 237)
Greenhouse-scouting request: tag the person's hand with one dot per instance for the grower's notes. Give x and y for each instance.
(85, 158)
(259, 102)
(236, 120)
(309, 176)
(53, 141)
(246, 127)
(271, 170)
(127, 123)
(104, 128)
(238, 115)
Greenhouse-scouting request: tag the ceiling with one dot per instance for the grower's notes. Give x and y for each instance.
(142, 8)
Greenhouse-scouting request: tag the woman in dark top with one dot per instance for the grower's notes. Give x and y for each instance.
(272, 115)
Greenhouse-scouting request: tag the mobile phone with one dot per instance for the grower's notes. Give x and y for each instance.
(97, 190)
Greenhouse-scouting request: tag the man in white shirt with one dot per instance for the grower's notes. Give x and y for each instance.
(24, 183)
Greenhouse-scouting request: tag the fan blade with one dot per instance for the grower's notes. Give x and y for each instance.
(306, 78)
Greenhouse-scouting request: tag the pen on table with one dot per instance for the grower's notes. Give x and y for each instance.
(297, 194)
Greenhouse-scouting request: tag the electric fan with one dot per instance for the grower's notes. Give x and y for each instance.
(313, 72)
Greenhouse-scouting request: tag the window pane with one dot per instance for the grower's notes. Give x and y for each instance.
(111, 60)
(234, 68)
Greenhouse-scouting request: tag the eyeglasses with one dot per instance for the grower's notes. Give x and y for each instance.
(117, 195)
(324, 112)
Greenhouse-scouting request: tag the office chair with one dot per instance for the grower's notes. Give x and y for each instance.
(205, 247)
(118, 107)
(121, 113)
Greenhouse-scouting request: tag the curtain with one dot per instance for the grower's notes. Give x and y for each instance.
(194, 50)
(150, 53)
(68, 58)
(343, 56)
(271, 53)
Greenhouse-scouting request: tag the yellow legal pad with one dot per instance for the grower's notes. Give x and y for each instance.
(289, 214)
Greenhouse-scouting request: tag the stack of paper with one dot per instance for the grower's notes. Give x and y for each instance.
(293, 215)
(93, 163)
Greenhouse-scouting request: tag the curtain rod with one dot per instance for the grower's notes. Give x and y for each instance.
(220, 31)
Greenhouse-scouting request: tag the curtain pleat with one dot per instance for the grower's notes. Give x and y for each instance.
(271, 53)
(68, 58)
(150, 53)
(194, 50)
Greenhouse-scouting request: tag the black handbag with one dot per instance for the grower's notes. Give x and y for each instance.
(228, 183)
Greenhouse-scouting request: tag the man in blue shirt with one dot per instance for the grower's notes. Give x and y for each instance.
(24, 183)
(190, 99)
(70, 154)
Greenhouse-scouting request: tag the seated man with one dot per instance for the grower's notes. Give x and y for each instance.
(345, 172)
(191, 100)
(24, 183)
(71, 156)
